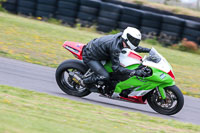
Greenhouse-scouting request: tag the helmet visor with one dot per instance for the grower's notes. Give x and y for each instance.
(133, 40)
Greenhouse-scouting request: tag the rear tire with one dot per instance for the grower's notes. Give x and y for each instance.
(174, 94)
(65, 83)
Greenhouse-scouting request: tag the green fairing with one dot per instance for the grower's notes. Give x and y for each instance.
(108, 67)
(158, 79)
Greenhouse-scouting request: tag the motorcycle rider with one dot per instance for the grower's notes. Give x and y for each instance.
(108, 48)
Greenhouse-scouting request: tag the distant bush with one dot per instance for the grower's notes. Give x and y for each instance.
(167, 40)
(149, 35)
(90, 29)
(114, 31)
(1, 1)
(186, 45)
(1, 8)
(138, 2)
(53, 21)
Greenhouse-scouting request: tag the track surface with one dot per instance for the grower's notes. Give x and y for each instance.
(42, 79)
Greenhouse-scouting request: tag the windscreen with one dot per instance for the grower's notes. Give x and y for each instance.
(154, 56)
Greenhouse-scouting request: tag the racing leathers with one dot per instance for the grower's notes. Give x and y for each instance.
(105, 48)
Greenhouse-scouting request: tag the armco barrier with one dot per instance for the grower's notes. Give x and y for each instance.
(111, 15)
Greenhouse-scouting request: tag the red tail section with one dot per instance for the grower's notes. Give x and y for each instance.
(75, 48)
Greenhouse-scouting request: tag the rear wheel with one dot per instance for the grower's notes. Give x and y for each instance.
(66, 83)
(171, 105)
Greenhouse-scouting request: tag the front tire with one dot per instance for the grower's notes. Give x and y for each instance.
(64, 81)
(171, 105)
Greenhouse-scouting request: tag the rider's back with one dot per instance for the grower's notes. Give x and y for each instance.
(102, 48)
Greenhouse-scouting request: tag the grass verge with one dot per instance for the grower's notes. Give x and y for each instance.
(172, 8)
(41, 43)
(23, 111)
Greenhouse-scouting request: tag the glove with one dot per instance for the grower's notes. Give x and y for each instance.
(141, 72)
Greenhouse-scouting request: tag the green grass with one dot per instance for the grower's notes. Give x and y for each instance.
(36, 41)
(41, 43)
(23, 111)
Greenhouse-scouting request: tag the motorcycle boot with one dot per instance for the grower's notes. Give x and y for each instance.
(92, 80)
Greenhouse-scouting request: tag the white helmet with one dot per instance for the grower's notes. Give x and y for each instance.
(131, 37)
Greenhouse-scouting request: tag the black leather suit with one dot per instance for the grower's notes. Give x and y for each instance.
(105, 48)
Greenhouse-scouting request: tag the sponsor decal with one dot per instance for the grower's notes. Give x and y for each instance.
(71, 49)
(162, 76)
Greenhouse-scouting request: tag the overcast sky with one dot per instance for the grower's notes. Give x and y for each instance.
(189, 1)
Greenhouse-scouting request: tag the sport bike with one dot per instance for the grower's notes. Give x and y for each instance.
(157, 86)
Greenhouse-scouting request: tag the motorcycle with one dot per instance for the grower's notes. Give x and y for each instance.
(157, 86)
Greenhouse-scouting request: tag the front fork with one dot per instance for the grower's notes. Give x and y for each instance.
(161, 92)
(160, 89)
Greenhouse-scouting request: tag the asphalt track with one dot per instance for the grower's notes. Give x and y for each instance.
(42, 79)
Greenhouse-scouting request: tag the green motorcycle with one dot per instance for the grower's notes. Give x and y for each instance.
(157, 87)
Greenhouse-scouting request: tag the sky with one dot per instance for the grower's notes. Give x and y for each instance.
(188, 1)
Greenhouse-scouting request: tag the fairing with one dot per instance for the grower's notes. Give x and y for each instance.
(129, 57)
(75, 48)
(156, 60)
(161, 77)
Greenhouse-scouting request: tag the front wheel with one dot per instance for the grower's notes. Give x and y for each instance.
(171, 105)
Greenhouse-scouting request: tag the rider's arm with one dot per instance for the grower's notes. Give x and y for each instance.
(116, 63)
(118, 68)
(140, 49)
